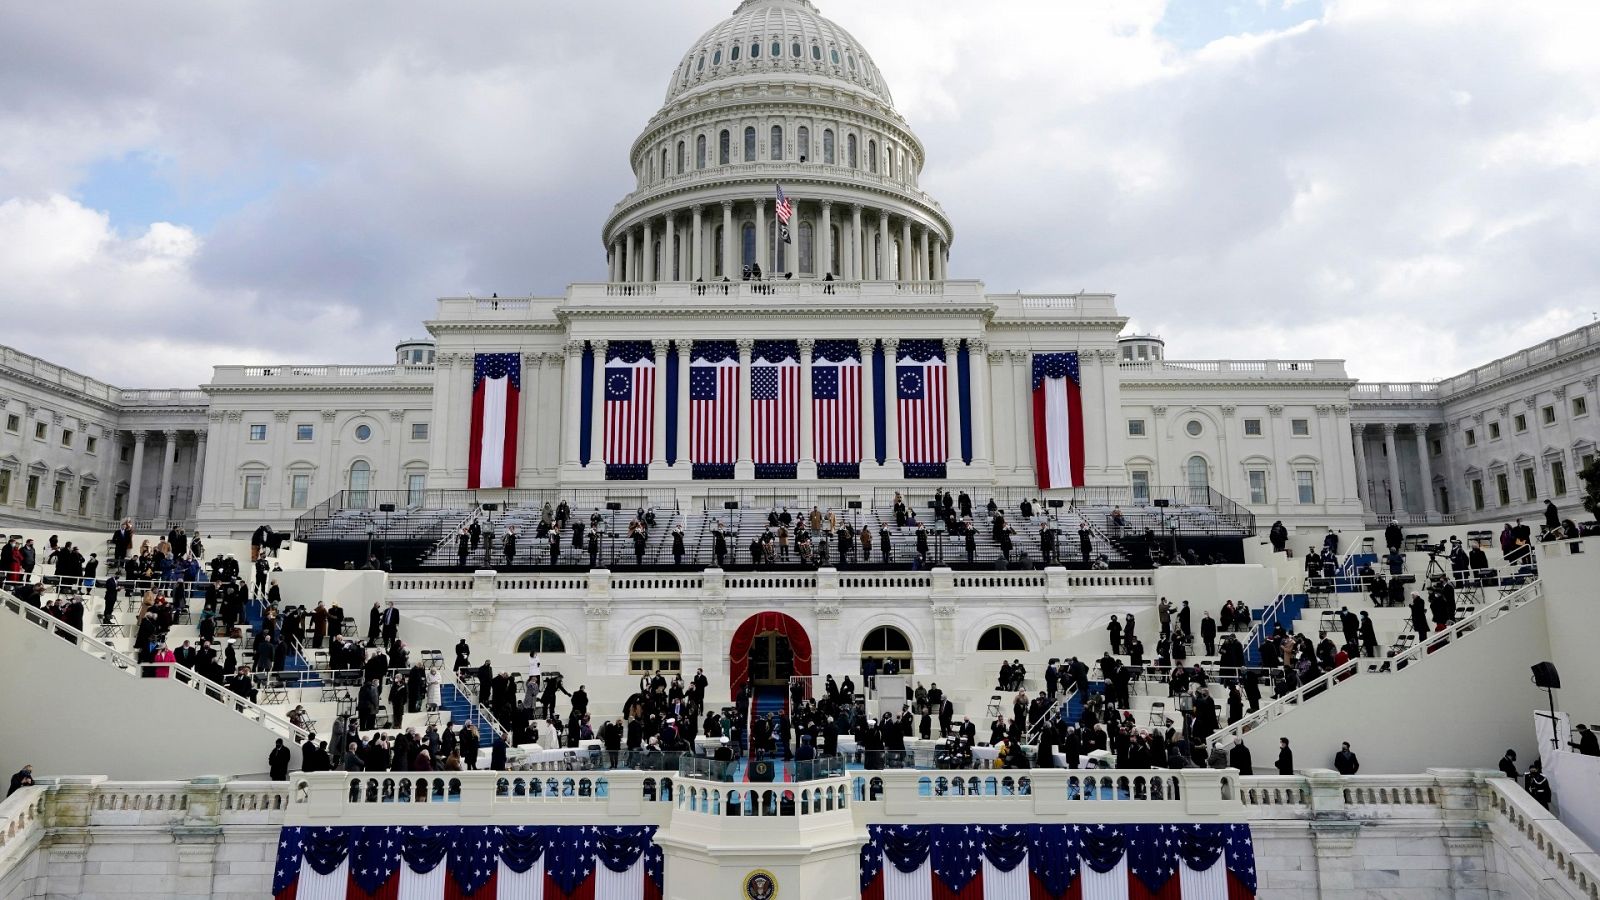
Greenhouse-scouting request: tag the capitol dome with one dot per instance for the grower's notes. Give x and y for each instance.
(776, 97)
(778, 36)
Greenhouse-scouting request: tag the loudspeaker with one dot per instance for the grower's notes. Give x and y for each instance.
(731, 504)
(385, 507)
(613, 506)
(1056, 504)
(1161, 502)
(1546, 676)
(853, 504)
(761, 770)
(491, 507)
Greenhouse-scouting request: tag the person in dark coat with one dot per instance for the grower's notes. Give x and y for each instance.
(1285, 757)
(469, 747)
(278, 762)
(1239, 758)
(1345, 761)
(1538, 786)
(1392, 536)
(1508, 765)
(1208, 633)
(24, 778)
(677, 545)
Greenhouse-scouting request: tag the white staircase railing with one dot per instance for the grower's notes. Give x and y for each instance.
(130, 666)
(479, 707)
(1417, 652)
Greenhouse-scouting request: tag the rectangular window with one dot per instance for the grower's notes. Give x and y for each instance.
(119, 505)
(1580, 406)
(1494, 431)
(419, 431)
(1588, 460)
(90, 444)
(414, 485)
(1258, 486)
(1127, 354)
(1435, 447)
(252, 492)
(1502, 486)
(126, 453)
(1519, 422)
(13, 423)
(58, 496)
(1472, 438)
(5, 486)
(1141, 485)
(33, 492)
(1548, 415)
(41, 430)
(303, 432)
(1305, 485)
(83, 501)
(258, 432)
(66, 437)
(1300, 427)
(1477, 493)
(1136, 428)
(1252, 428)
(299, 488)
(1530, 486)
(1558, 478)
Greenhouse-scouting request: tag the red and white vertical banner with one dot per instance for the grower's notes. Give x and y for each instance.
(496, 392)
(775, 404)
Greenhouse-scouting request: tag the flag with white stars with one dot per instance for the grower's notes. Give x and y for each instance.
(1057, 420)
(714, 404)
(289, 856)
(922, 404)
(775, 403)
(630, 389)
(496, 393)
(836, 405)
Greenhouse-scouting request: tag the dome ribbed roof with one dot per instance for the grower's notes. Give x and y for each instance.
(810, 48)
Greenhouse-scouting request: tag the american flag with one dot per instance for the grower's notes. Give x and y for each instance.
(836, 403)
(630, 375)
(920, 388)
(785, 213)
(775, 403)
(714, 404)
(492, 448)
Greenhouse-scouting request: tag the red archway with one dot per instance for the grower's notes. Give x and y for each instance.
(761, 623)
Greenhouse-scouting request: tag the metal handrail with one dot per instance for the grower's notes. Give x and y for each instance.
(481, 709)
(182, 674)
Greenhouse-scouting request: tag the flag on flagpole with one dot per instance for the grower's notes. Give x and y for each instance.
(921, 386)
(836, 408)
(630, 381)
(713, 409)
(785, 213)
(496, 387)
(775, 408)
(1059, 862)
(474, 862)
(1057, 421)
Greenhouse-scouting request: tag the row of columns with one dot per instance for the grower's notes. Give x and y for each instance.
(744, 467)
(169, 460)
(864, 242)
(1391, 450)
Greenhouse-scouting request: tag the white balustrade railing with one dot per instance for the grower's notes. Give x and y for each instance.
(21, 824)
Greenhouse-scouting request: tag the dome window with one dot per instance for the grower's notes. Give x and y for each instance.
(722, 147)
(777, 50)
(834, 53)
(716, 57)
(777, 142)
(750, 145)
(755, 49)
(794, 49)
(851, 59)
(816, 53)
(701, 65)
(827, 146)
(733, 53)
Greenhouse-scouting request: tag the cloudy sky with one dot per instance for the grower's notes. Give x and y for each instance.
(1408, 185)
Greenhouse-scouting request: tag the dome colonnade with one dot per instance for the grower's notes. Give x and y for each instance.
(777, 95)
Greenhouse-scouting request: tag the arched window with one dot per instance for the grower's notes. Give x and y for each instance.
(733, 53)
(850, 150)
(802, 143)
(755, 49)
(872, 157)
(700, 152)
(777, 142)
(747, 244)
(750, 144)
(655, 650)
(806, 255)
(664, 169)
(827, 146)
(1199, 478)
(360, 484)
(541, 640)
(887, 642)
(851, 59)
(724, 141)
(794, 49)
(682, 155)
(1002, 638)
(716, 57)
(816, 53)
(833, 54)
(716, 251)
(777, 49)
(700, 66)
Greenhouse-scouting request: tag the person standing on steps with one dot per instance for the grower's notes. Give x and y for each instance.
(1285, 757)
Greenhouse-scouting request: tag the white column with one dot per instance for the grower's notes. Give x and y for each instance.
(139, 438)
(791, 254)
(527, 440)
(825, 239)
(649, 252)
(658, 425)
(1426, 472)
(198, 479)
(939, 260)
(550, 397)
(907, 266)
(952, 415)
(924, 264)
(684, 354)
(869, 403)
(807, 467)
(631, 261)
(854, 273)
(1399, 501)
(729, 265)
(572, 393)
(891, 411)
(696, 250)
(978, 365)
(1000, 410)
(669, 250)
(1363, 492)
(745, 467)
(882, 265)
(597, 406)
(1020, 398)
(761, 235)
(169, 456)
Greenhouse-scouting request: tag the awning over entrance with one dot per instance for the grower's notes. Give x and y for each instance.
(763, 623)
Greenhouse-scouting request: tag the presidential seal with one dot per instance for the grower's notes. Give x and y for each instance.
(760, 885)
